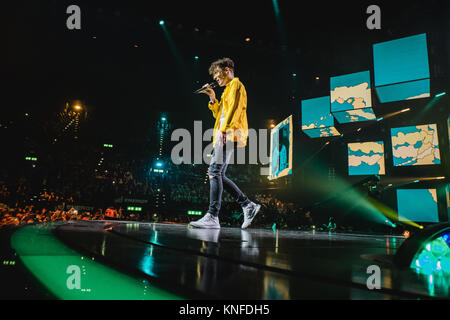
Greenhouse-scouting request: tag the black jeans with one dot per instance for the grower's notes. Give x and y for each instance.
(221, 157)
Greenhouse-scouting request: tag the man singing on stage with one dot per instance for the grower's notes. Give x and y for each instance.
(230, 132)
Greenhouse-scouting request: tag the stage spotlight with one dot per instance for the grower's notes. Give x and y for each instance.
(294, 75)
(161, 22)
(196, 58)
(428, 252)
(393, 114)
(389, 223)
(441, 94)
(432, 178)
(247, 39)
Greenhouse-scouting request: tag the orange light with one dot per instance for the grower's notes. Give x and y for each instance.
(77, 107)
(247, 39)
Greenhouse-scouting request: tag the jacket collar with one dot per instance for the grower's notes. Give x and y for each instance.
(229, 83)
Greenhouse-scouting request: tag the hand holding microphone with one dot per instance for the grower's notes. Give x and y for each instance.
(208, 89)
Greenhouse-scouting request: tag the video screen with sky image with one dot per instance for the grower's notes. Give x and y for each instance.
(415, 146)
(417, 205)
(366, 158)
(351, 98)
(317, 120)
(281, 150)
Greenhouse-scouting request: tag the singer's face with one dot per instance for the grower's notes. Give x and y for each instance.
(221, 76)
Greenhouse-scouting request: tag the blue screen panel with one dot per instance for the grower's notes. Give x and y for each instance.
(401, 60)
(316, 113)
(404, 91)
(281, 150)
(366, 158)
(322, 132)
(352, 116)
(350, 92)
(415, 146)
(417, 205)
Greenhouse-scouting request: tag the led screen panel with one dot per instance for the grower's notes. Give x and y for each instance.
(316, 113)
(366, 158)
(401, 60)
(322, 132)
(352, 116)
(281, 138)
(350, 92)
(404, 91)
(417, 205)
(317, 120)
(415, 146)
(401, 69)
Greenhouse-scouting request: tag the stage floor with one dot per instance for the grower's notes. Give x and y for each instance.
(129, 260)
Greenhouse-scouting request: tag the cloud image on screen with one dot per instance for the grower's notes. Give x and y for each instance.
(350, 92)
(415, 146)
(351, 116)
(417, 205)
(366, 158)
(317, 120)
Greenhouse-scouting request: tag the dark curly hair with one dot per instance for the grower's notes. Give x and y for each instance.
(222, 64)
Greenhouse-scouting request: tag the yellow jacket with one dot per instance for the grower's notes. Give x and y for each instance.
(234, 104)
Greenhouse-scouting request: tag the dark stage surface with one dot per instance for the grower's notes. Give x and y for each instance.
(129, 260)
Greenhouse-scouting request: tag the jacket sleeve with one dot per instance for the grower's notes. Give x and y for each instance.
(214, 107)
(235, 104)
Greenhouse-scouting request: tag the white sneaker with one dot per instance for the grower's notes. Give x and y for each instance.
(250, 212)
(207, 222)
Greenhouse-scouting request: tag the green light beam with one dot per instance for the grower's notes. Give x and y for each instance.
(280, 25)
(55, 266)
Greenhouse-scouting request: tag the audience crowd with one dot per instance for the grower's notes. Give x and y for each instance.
(67, 187)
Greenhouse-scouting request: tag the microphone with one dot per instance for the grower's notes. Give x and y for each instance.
(211, 85)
